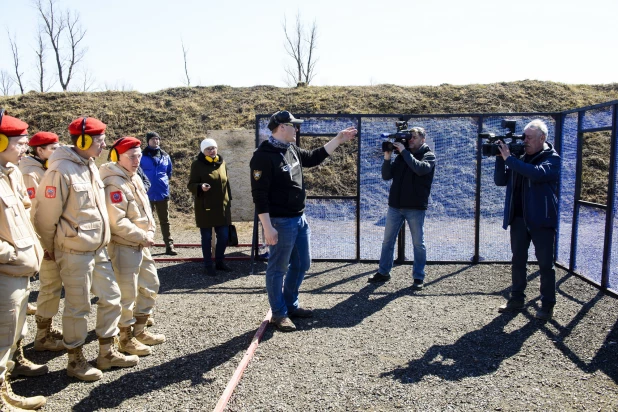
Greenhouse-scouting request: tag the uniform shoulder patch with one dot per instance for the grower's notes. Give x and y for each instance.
(257, 174)
(31, 192)
(116, 197)
(50, 192)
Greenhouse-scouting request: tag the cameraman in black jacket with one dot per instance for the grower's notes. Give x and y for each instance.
(412, 173)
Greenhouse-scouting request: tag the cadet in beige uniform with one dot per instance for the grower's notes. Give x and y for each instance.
(33, 167)
(71, 219)
(133, 228)
(20, 258)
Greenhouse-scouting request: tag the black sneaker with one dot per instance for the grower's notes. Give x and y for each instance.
(417, 285)
(210, 271)
(171, 251)
(545, 313)
(222, 266)
(511, 306)
(378, 278)
(301, 313)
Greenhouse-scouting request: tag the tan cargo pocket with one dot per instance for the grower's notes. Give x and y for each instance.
(84, 197)
(8, 322)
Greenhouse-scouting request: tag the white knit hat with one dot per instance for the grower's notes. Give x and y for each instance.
(207, 143)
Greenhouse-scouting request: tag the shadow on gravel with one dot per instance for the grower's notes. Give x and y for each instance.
(189, 278)
(474, 354)
(191, 367)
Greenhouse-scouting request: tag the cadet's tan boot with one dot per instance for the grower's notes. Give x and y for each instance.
(31, 310)
(143, 335)
(79, 368)
(110, 357)
(13, 402)
(23, 366)
(46, 337)
(129, 344)
(151, 321)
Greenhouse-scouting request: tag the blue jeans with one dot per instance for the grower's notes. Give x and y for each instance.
(222, 235)
(544, 241)
(289, 258)
(394, 221)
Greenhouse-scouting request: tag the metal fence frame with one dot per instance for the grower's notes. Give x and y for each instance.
(559, 117)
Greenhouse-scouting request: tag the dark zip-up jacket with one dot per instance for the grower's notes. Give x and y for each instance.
(412, 176)
(213, 207)
(540, 176)
(277, 184)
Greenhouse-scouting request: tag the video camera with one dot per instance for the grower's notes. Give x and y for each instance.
(491, 147)
(402, 136)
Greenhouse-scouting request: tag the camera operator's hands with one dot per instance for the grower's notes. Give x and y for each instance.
(399, 146)
(505, 152)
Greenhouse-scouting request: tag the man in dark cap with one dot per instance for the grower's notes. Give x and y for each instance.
(72, 221)
(157, 166)
(279, 195)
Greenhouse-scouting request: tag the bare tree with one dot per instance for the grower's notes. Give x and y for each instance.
(120, 86)
(184, 55)
(40, 65)
(300, 45)
(87, 80)
(6, 83)
(63, 28)
(15, 52)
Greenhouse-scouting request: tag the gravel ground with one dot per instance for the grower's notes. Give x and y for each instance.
(369, 347)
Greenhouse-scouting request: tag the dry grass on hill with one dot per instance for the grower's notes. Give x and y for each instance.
(183, 115)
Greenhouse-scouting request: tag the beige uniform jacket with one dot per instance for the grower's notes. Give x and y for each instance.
(32, 171)
(20, 253)
(130, 217)
(70, 212)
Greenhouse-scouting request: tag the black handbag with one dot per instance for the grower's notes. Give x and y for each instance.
(232, 239)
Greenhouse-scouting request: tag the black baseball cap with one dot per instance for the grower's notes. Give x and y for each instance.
(281, 117)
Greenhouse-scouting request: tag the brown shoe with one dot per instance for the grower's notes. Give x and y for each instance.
(284, 324)
(301, 313)
(171, 251)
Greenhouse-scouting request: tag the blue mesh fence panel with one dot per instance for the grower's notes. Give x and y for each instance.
(567, 188)
(333, 228)
(449, 221)
(495, 242)
(613, 271)
(600, 117)
(589, 257)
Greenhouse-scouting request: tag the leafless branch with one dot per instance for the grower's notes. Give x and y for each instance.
(184, 55)
(40, 65)
(61, 28)
(300, 46)
(18, 76)
(6, 83)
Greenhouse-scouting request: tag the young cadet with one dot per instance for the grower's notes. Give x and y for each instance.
(71, 219)
(33, 167)
(133, 228)
(20, 258)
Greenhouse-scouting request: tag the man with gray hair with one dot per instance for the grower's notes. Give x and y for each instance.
(531, 209)
(412, 173)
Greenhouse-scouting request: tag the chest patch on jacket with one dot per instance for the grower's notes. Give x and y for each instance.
(50, 192)
(257, 174)
(116, 197)
(31, 192)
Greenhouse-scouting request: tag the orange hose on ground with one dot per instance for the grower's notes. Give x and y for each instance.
(227, 393)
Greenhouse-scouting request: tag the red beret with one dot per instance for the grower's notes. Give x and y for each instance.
(12, 126)
(93, 126)
(125, 143)
(43, 138)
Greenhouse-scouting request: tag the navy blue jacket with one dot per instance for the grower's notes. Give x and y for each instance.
(539, 187)
(157, 167)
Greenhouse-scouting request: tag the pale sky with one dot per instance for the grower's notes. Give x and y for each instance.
(136, 44)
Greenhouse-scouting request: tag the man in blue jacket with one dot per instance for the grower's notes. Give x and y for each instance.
(531, 209)
(157, 167)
